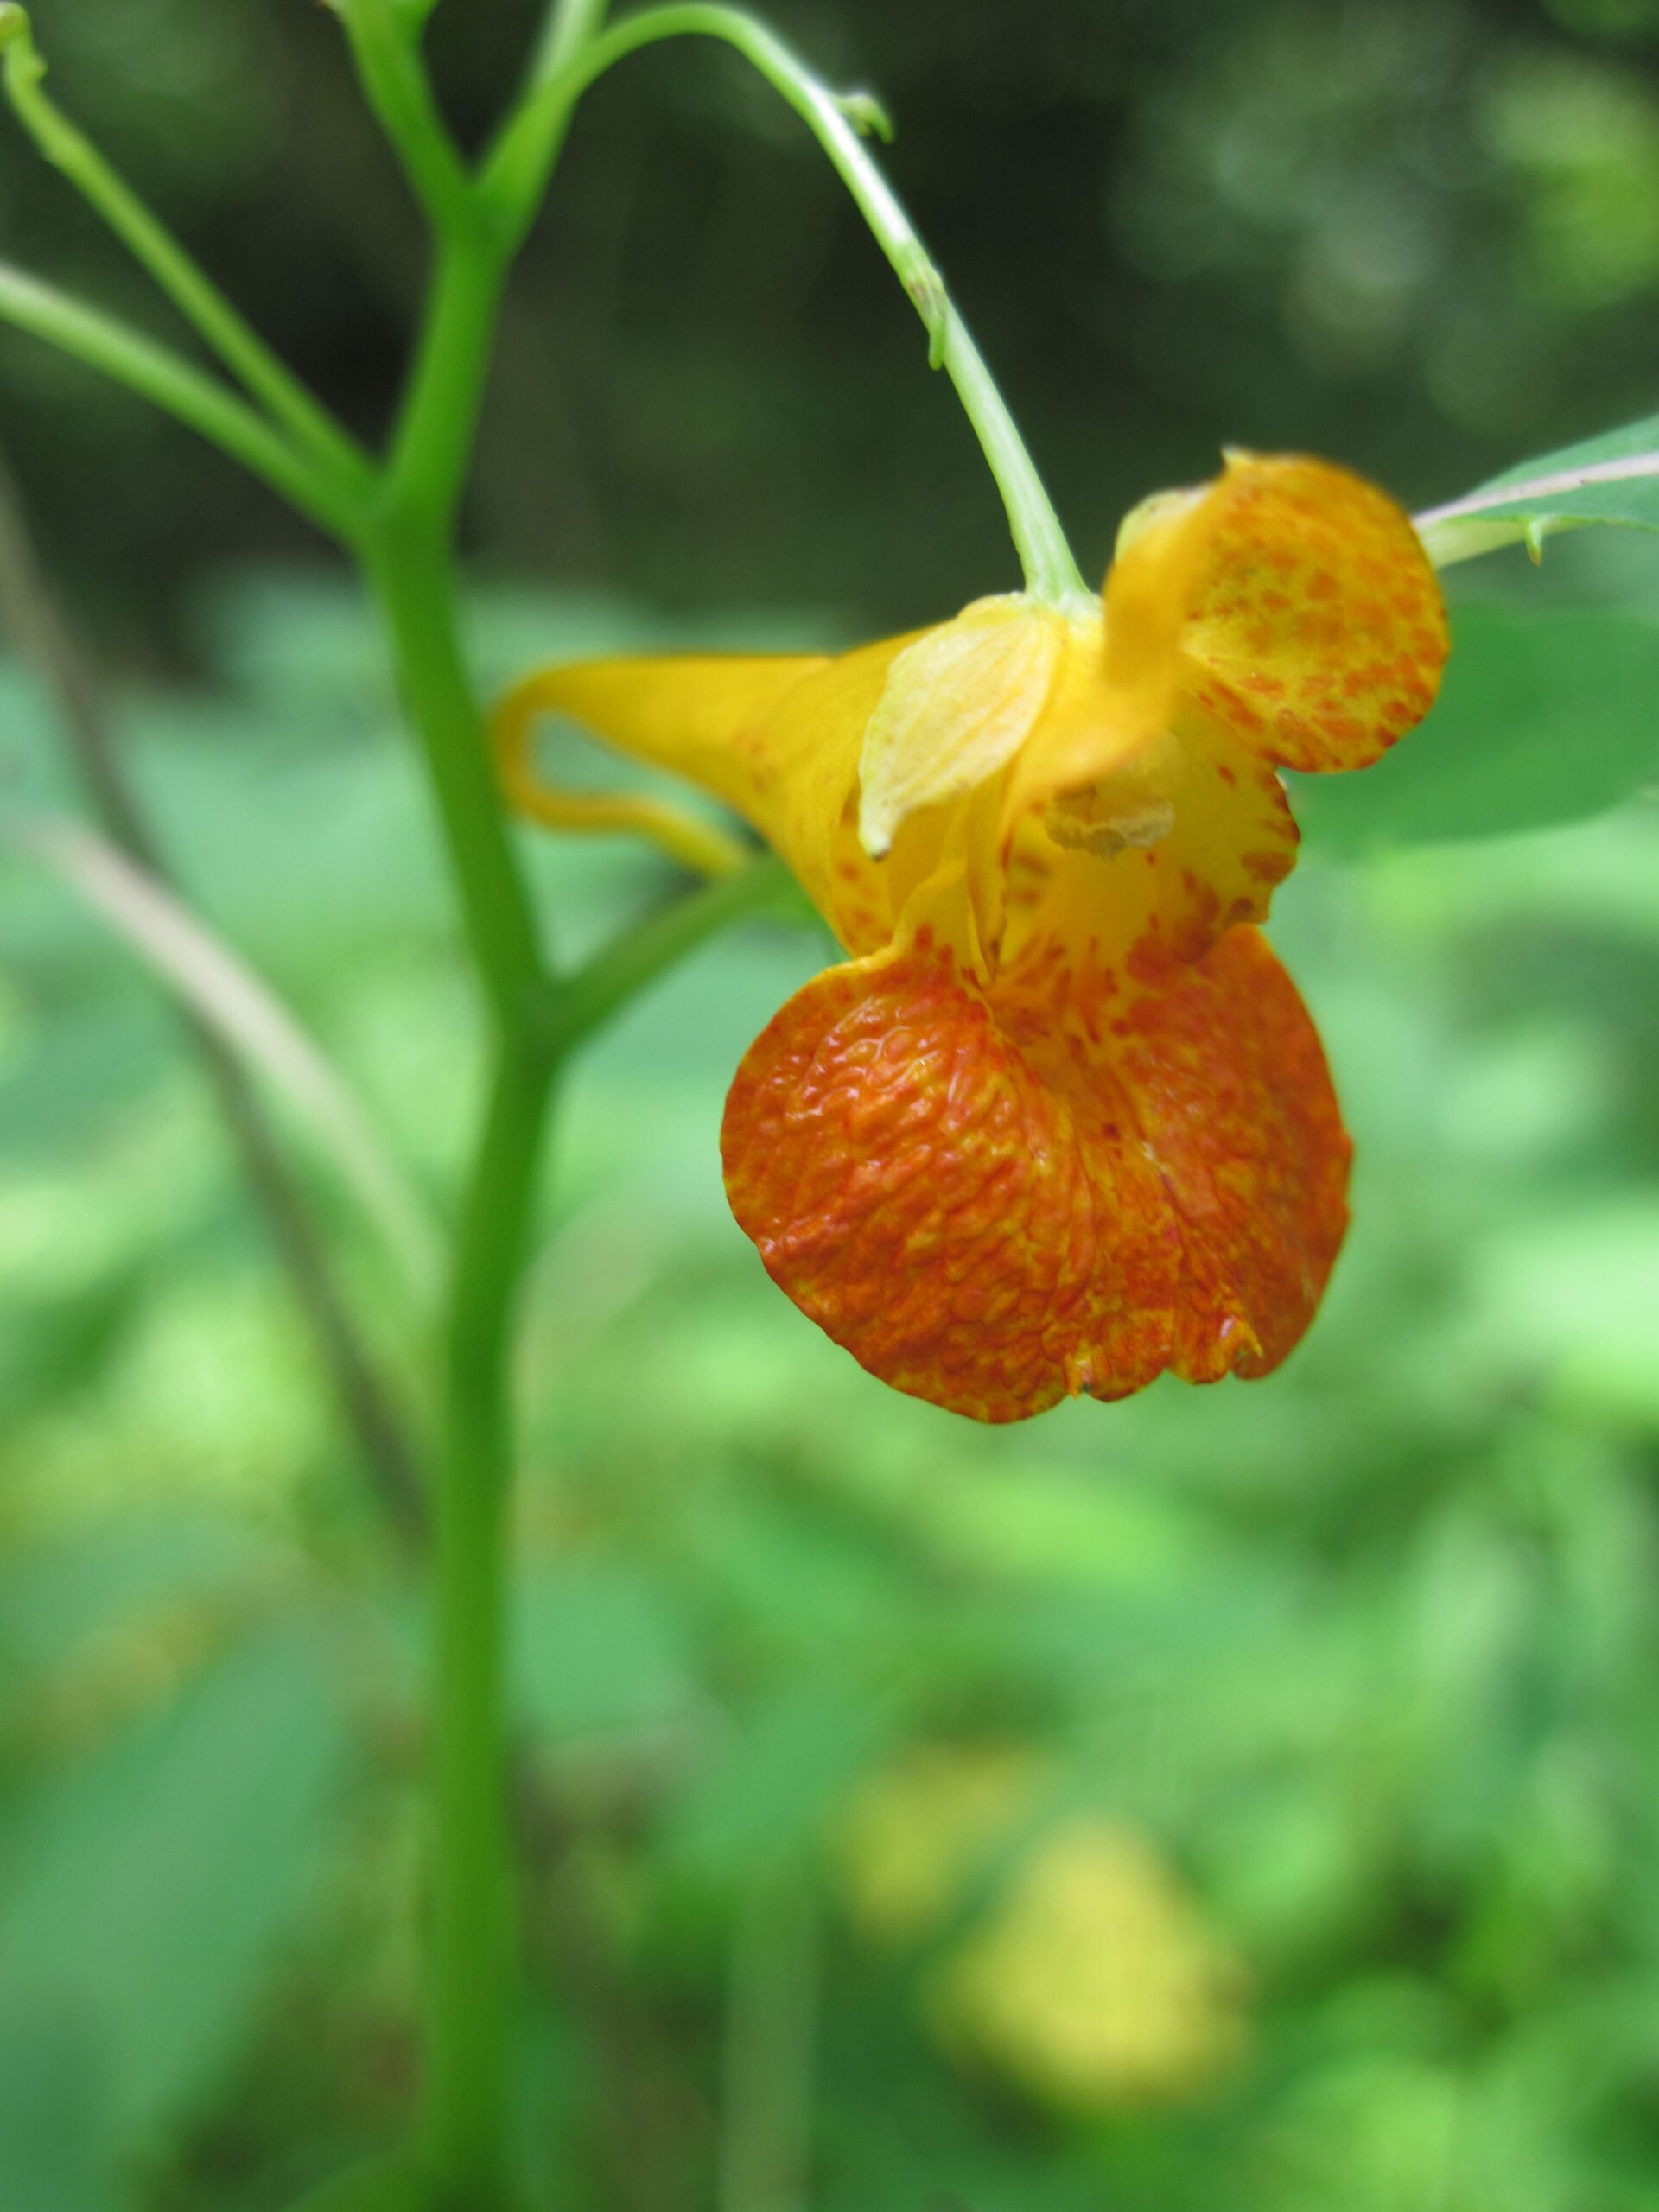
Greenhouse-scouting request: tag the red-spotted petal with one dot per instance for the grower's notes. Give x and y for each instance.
(992, 1211)
(1151, 865)
(1315, 630)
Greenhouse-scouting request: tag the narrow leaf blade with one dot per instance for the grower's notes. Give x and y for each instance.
(1611, 478)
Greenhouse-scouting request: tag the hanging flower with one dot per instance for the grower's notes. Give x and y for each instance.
(1061, 1121)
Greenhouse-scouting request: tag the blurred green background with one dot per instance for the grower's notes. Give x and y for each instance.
(1240, 1799)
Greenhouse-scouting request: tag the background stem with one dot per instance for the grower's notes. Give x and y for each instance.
(771, 2023)
(268, 378)
(569, 25)
(202, 403)
(44, 636)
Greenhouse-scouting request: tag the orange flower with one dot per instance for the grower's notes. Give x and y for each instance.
(1061, 1121)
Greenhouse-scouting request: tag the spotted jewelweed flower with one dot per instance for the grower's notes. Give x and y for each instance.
(1060, 1121)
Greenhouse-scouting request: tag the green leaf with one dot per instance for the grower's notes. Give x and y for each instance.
(1614, 478)
(147, 1889)
(1543, 717)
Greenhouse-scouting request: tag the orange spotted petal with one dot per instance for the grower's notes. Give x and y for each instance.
(991, 1212)
(1150, 865)
(1315, 632)
(1288, 607)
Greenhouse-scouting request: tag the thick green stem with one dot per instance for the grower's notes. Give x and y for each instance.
(410, 569)
(395, 84)
(474, 1945)
(473, 1954)
(474, 1970)
(409, 560)
(438, 423)
(514, 175)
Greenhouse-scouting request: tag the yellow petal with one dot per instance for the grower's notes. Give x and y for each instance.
(690, 714)
(776, 737)
(1146, 871)
(807, 750)
(957, 705)
(701, 846)
(1098, 713)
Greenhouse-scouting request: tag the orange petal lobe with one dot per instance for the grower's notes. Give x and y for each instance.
(1234, 1098)
(1315, 629)
(993, 1224)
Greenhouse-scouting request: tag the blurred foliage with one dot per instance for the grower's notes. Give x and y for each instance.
(1315, 1719)
(1324, 1710)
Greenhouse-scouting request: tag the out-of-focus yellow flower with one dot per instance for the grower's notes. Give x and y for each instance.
(1089, 1977)
(916, 1836)
(1095, 1983)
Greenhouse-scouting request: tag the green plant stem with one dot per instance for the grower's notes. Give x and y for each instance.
(514, 177)
(159, 375)
(438, 422)
(583, 1002)
(409, 556)
(410, 569)
(397, 88)
(570, 25)
(266, 377)
(474, 1971)
(44, 633)
(473, 1967)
